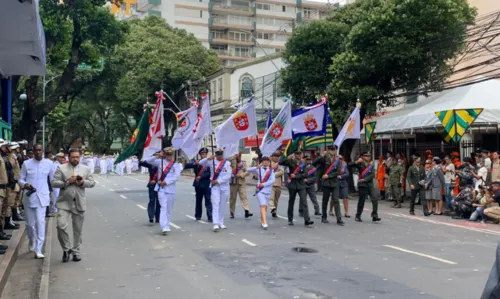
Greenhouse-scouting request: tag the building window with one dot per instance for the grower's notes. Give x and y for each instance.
(220, 89)
(246, 87)
(214, 90)
(218, 34)
(278, 50)
(133, 8)
(263, 6)
(308, 13)
(283, 8)
(262, 35)
(201, 13)
(239, 36)
(242, 52)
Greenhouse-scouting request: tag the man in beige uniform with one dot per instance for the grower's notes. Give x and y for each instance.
(3, 193)
(238, 185)
(495, 168)
(279, 171)
(12, 186)
(15, 192)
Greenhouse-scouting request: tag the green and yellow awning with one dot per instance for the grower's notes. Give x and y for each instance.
(456, 122)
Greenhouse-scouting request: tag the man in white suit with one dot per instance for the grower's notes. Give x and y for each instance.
(35, 176)
(73, 178)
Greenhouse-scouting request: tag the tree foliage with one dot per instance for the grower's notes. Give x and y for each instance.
(373, 48)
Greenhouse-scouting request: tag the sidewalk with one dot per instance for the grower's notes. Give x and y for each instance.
(8, 259)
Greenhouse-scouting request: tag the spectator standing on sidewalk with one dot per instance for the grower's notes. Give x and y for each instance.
(449, 178)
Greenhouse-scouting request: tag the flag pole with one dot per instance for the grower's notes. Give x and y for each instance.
(211, 133)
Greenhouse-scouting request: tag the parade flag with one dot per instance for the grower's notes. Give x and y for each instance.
(269, 118)
(184, 134)
(316, 141)
(231, 150)
(370, 132)
(279, 130)
(204, 125)
(294, 145)
(456, 122)
(311, 120)
(138, 138)
(241, 124)
(351, 129)
(156, 129)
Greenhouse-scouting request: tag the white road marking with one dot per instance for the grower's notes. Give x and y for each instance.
(479, 230)
(200, 221)
(422, 254)
(248, 242)
(111, 190)
(122, 196)
(282, 217)
(193, 193)
(142, 207)
(96, 181)
(144, 181)
(126, 188)
(175, 225)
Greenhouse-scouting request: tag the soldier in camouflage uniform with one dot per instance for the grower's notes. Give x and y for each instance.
(395, 180)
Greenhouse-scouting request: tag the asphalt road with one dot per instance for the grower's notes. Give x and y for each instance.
(400, 257)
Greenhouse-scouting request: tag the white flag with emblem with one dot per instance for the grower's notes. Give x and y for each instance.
(351, 129)
(280, 129)
(186, 121)
(310, 121)
(241, 124)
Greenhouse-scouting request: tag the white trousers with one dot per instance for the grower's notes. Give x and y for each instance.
(219, 204)
(104, 168)
(166, 206)
(144, 170)
(35, 222)
(129, 170)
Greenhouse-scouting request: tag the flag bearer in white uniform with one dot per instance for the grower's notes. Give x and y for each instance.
(165, 186)
(35, 176)
(266, 178)
(220, 171)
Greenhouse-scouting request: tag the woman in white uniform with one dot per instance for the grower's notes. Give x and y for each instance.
(265, 176)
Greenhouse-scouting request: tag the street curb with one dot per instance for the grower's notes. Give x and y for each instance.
(10, 256)
(43, 292)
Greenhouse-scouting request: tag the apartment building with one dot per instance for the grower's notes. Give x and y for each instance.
(236, 29)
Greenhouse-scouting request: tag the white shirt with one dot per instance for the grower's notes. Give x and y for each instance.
(38, 174)
(268, 185)
(173, 175)
(224, 174)
(450, 173)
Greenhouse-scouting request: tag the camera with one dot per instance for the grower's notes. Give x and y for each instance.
(30, 192)
(79, 178)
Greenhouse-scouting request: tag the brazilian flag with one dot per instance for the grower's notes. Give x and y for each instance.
(138, 138)
(295, 144)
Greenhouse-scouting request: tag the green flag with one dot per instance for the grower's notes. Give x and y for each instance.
(295, 144)
(138, 138)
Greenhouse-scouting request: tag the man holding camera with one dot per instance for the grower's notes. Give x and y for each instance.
(72, 178)
(35, 175)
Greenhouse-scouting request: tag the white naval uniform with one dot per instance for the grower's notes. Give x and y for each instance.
(166, 194)
(220, 192)
(128, 166)
(90, 164)
(265, 193)
(37, 174)
(55, 191)
(104, 165)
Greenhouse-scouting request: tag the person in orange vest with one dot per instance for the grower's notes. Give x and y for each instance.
(381, 176)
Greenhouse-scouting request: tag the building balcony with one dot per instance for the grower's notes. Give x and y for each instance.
(223, 7)
(228, 40)
(227, 23)
(232, 55)
(146, 5)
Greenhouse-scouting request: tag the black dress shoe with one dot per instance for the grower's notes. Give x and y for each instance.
(76, 257)
(66, 255)
(3, 251)
(340, 222)
(290, 223)
(248, 214)
(210, 220)
(232, 215)
(412, 213)
(11, 226)
(4, 237)
(307, 223)
(426, 214)
(358, 219)
(317, 214)
(273, 213)
(151, 220)
(198, 218)
(375, 219)
(324, 220)
(3, 247)
(17, 217)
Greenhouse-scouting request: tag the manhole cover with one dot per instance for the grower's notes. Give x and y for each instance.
(304, 250)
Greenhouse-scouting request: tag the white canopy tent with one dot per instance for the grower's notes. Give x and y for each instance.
(22, 38)
(421, 115)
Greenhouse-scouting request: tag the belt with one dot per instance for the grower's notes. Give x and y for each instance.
(3, 186)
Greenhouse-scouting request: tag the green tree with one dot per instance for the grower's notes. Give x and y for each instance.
(76, 31)
(153, 55)
(381, 47)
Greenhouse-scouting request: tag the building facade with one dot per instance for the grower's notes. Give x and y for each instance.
(237, 30)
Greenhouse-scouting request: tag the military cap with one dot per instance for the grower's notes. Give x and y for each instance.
(485, 151)
(219, 151)
(297, 152)
(168, 150)
(277, 154)
(307, 157)
(496, 183)
(332, 147)
(203, 150)
(86, 153)
(60, 155)
(265, 158)
(366, 154)
(14, 145)
(23, 142)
